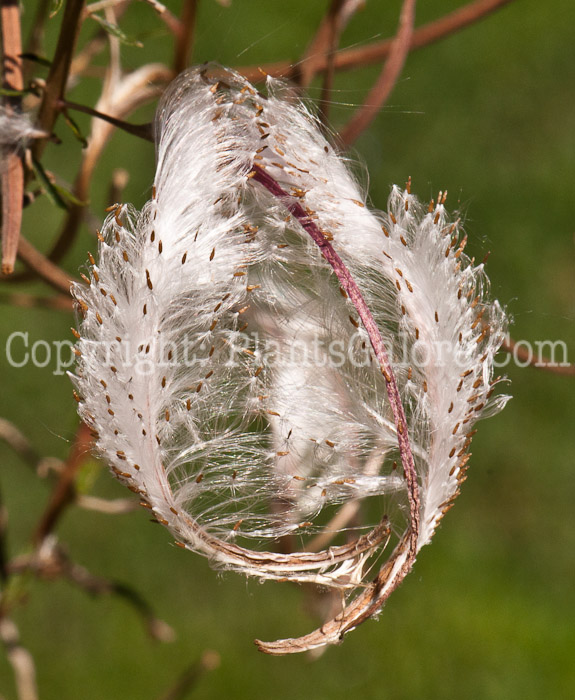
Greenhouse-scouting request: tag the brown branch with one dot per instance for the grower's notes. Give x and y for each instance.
(13, 170)
(543, 363)
(185, 35)
(64, 490)
(340, 14)
(44, 268)
(134, 90)
(324, 43)
(58, 76)
(388, 77)
(82, 60)
(379, 51)
(59, 302)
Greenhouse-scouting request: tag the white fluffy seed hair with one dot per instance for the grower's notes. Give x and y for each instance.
(224, 369)
(16, 130)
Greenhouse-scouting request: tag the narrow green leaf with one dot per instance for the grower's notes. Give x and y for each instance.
(51, 190)
(56, 7)
(36, 59)
(114, 30)
(10, 92)
(87, 476)
(68, 196)
(75, 129)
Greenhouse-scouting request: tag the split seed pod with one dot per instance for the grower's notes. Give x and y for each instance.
(264, 359)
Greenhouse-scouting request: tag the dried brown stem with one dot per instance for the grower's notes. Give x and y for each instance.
(13, 170)
(64, 491)
(378, 51)
(388, 77)
(15, 439)
(118, 182)
(12, 199)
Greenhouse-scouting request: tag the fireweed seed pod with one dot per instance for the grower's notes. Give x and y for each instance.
(263, 357)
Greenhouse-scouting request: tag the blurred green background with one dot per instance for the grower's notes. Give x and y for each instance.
(488, 611)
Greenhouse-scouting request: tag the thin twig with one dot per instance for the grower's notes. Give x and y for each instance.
(325, 41)
(388, 77)
(133, 91)
(543, 363)
(378, 51)
(13, 169)
(59, 302)
(82, 60)
(185, 35)
(51, 562)
(118, 506)
(20, 659)
(44, 268)
(15, 438)
(64, 491)
(209, 661)
(342, 12)
(59, 71)
(96, 585)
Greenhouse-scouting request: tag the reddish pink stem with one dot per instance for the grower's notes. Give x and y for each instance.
(349, 285)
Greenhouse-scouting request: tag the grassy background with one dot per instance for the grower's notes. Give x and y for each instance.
(488, 611)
